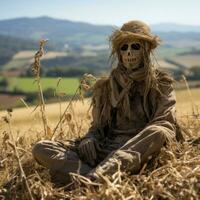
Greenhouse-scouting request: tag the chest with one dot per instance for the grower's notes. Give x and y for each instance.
(132, 113)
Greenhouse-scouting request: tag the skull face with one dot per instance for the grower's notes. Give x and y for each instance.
(131, 54)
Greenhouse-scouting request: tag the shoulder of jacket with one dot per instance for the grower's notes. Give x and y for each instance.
(101, 83)
(100, 91)
(164, 77)
(164, 84)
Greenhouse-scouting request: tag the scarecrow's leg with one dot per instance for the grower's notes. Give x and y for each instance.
(59, 160)
(134, 153)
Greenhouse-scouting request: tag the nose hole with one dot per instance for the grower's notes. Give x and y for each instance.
(135, 46)
(129, 53)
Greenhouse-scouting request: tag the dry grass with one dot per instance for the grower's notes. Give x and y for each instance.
(174, 175)
(26, 118)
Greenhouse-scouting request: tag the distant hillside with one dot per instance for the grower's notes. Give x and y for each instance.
(94, 63)
(9, 46)
(58, 31)
(65, 33)
(172, 27)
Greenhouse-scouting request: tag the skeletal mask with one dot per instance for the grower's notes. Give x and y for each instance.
(131, 54)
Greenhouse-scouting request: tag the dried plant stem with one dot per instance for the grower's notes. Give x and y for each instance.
(81, 86)
(23, 176)
(59, 101)
(60, 111)
(22, 100)
(78, 88)
(36, 70)
(42, 106)
(190, 94)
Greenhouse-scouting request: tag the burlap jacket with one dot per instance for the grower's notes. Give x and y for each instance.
(161, 107)
(112, 135)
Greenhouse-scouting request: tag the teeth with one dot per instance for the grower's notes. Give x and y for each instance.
(131, 59)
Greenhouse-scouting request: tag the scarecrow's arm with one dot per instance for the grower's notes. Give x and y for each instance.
(93, 132)
(164, 106)
(96, 130)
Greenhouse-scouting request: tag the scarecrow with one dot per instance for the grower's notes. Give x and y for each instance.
(133, 112)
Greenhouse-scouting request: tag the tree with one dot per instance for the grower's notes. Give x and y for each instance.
(4, 83)
(194, 73)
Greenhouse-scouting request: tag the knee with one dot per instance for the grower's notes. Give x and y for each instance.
(38, 149)
(157, 132)
(130, 160)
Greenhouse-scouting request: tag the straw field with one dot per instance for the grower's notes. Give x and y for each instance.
(174, 175)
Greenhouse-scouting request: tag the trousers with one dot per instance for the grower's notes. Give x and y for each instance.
(61, 160)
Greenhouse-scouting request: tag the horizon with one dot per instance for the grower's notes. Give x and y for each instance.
(56, 18)
(101, 12)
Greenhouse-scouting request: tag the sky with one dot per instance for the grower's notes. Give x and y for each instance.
(112, 12)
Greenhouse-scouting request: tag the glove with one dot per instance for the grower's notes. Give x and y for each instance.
(87, 150)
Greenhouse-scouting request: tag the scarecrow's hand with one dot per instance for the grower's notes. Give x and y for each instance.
(87, 150)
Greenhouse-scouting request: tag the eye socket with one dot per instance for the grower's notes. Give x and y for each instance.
(135, 46)
(124, 47)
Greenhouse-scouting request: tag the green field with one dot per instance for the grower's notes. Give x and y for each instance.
(67, 85)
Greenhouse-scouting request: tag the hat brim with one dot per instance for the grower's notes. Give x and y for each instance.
(153, 40)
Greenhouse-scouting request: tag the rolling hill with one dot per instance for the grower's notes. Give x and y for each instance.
(66, 32)
(9, 46)
(173, 27)
(58, 31)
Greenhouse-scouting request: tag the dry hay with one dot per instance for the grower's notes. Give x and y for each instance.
(175, 174)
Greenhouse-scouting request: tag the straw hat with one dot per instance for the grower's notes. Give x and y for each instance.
(136, 30)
